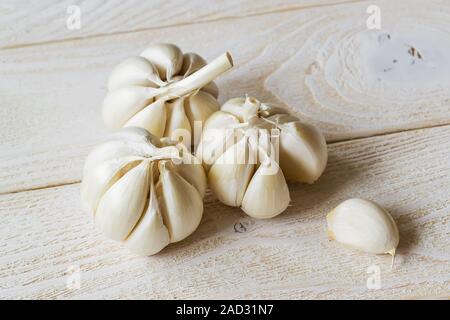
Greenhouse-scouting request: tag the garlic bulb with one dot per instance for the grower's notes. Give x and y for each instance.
(162, 91)
(144, 191)
(250, 148)
(363, 225)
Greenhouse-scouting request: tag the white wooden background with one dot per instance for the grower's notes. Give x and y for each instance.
(387, 143)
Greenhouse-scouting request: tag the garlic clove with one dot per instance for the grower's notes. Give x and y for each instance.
(122, 205)
(97, 182)
(268, 109)
(136, 134)
(177, 122)
(135, 71)
(121, 104)
(221, 120)
(267, 194)
(303, 152)
(166, 57)
(127, 142)
(180, 202)
(108, 151)
(231, 173)
(150, 234)
(198, 108)
(212, 89)
(191, 170)
(152, 118)
(363, 225)
(216, 139)
(242, 107)
(191, 63)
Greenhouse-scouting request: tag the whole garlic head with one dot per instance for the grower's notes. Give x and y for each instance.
(163, 90)
(245, 169)
(144, 191)
(363, 225)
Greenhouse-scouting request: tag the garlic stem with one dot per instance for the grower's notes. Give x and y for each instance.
(166, 153)
(276, 125)
(199, 78)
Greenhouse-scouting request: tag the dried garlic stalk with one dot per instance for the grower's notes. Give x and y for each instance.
(163, 90)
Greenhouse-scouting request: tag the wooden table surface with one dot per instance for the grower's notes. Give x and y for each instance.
(387, 124)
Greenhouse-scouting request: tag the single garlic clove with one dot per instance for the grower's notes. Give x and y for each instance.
(177, 122)
(136, 134)
(303, 152)
(231, 173)
(150, 234)
(267, 194)
(108, 151)
(191, 170)
(180, 202)
(191, 63)
(268, 109)
(152, 118)
(121, 104)
(212, 89)
(198, 108)
(215, 139)
(363, 225)
(166, 57)
(122, 205)
(221, 120)
(242, 107)
(127, 142)
(135, 71)
(97, 182)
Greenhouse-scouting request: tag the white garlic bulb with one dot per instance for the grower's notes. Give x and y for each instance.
(245, 168)
(144, 191)
(363, 225)
(163, 90)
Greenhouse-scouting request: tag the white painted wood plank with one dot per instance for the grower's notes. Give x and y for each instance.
(51, 94)
(43, 233)
(25, 22)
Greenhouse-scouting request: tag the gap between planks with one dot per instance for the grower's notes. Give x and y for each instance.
(56, 185)
(102, 35)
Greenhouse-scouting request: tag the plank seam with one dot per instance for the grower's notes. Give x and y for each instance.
(50, 186)
(328, 143)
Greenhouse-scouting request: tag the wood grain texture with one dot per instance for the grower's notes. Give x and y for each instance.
(319, 61)
(43, 233)
(51, 93)
(26, 22)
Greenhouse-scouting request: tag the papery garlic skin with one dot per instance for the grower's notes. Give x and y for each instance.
(163, 90)
(229, 134)
(363, 225)
(142, 191)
